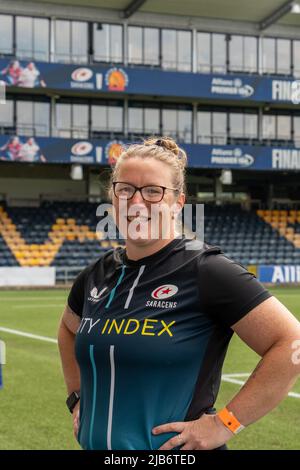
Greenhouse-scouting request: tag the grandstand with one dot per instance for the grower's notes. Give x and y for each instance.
(82, 80)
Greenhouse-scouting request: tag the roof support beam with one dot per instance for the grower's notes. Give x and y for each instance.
(133, 6)
(276, 15)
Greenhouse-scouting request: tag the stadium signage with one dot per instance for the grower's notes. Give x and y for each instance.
(286, 159)
(286, 90)
(147, 82)
(45, 150)
(279, 274)
(233, 157)
(225, 86)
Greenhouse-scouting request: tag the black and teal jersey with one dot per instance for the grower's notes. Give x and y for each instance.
(152, 339)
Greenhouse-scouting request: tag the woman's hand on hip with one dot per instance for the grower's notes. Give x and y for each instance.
(206, 433)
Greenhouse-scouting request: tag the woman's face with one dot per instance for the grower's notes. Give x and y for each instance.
(141, 221)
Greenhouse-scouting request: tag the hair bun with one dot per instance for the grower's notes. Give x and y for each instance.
(169, 144)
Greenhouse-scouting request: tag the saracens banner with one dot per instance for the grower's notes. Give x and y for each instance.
(142, 81)
(103, 152)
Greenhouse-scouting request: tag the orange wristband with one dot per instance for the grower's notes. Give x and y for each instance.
(230, 421)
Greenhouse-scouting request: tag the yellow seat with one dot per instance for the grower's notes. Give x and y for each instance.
(71, 221)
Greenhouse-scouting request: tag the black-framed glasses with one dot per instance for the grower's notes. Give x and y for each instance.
(150, 193)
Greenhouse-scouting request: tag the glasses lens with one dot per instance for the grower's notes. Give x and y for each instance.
(124, 190)
(152, 193)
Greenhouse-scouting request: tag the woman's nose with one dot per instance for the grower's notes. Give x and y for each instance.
(137, 197)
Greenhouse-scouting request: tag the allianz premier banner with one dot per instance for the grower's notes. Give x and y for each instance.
(140, 81)
(279, 274)
(100, 152)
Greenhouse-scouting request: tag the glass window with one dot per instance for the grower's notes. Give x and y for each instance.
(176, 49)
(219, 53)
(269, 126)
(24, 37)
(7, 114)
(80, 121)
(62, 41)
(101, 42)
(185, 125)
(297, 130)
(6, 36)
(236, 53)
(243, 53)
(41, 118)
(151, 117)
(79, 44)
(243, 125)
(177, 123)
(236, 124)
(219, 127)
(151, 46)
(135, 45)
(169, 122)
(108, 43)
(284, 127)
(169, 49)
(24, 114)
(32, 38)
(203, 52)
(268, 55)
(116, 43)
(204, 127)
(184, 52)
(284, 56)
(41, 39)
(99, 118)
(250, 54)
(107, 118)
(135, 120)
(115, 118)
(71, 41)
(63, 120)
(33, 118)
(296, 58)
(251, 125)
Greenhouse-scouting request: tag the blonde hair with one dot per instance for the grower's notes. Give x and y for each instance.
(163, 149)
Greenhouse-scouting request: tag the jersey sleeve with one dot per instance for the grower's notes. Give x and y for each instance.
(227, 290)
(76, 294)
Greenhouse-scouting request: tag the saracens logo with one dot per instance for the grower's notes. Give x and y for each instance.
(160, 294)
(164, 292)
(82, 74)
(95, 296)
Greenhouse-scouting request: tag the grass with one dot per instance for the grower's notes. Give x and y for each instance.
(33, 414)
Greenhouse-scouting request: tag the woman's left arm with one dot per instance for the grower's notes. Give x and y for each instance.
(273, 333)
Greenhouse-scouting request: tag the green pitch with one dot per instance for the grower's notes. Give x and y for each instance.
(33, 414)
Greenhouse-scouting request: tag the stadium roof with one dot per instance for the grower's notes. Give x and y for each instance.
(256, 11)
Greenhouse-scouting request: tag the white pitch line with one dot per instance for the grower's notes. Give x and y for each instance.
(35, 306)
(227, 378)
(28, 335)
(235, 375)
(22, 299)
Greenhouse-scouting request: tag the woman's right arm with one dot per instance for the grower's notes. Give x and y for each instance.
(66, 342)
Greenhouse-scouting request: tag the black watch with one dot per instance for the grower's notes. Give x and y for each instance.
(72, 400)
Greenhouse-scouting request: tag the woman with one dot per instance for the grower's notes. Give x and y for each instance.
(152, 323)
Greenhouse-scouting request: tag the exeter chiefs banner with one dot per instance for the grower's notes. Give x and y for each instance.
(118, 79)
(99, 152)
